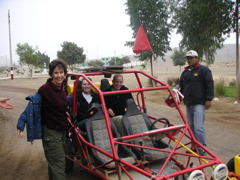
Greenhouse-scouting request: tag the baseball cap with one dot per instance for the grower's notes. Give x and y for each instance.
(191, 53)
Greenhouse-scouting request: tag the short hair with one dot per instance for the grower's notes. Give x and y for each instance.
(116, 76)
(57, 63)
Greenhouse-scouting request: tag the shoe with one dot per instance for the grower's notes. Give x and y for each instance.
(201, 152)
(194, 150)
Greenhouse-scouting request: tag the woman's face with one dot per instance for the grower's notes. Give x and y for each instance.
(86, 87)
(58, 76)
(117, 83)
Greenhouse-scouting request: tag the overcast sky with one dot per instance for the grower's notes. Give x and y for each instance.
(99, 26)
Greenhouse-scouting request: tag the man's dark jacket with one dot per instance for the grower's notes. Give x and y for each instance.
(197, 85)
(118, 102)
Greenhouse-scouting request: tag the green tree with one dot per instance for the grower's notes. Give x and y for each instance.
(72, 54)
(204, 25)
(96, 63)
(179, 58)
(117, 61)
(43, 58)
(27, 55)
(126, 59)
(154, 15)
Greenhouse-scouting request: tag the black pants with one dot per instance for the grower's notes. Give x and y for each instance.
(54, 152)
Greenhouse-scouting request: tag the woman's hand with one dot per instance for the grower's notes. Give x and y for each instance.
(110, 112)
(20, 133)
(4, 104)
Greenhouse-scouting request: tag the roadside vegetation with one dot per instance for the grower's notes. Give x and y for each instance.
(223, 87)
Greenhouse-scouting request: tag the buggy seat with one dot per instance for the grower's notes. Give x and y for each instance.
(136, 122)
(97, 135)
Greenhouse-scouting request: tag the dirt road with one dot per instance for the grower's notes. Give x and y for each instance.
(21, 160)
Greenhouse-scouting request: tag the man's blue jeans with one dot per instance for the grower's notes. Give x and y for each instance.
(195, 117)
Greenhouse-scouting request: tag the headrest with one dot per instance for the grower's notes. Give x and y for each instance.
(104, 84)
(99, 113)
(132, 108)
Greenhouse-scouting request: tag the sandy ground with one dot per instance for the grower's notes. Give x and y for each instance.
(21, 160)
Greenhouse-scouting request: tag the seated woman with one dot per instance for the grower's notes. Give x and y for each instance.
(85, 98)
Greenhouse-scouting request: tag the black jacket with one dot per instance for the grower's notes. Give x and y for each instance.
(197, 85)
(118, 102)
(83, 105)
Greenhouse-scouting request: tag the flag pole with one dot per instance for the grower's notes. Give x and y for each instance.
(151, 64)
(141, 44)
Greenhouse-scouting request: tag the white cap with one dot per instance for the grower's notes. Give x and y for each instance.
(191, 53)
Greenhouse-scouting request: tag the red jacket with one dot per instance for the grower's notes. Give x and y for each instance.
(54, 106)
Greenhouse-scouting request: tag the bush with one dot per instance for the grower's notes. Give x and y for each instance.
(220, 89)
(143, 65)
(173, 81)
(150, 82)
(233, 83)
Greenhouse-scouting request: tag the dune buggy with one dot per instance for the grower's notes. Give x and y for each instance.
(159, 143)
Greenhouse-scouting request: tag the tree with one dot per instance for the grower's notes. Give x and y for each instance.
(96, 63)
(179, 58)
(126, 59)
(117, 61)
(204, 25)
(27, 55)
(154, 15)
(43, 58)
(72, 54)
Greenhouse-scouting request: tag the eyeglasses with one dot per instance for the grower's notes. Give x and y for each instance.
(189, 58)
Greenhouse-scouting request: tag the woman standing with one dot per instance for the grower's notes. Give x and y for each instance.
(54, 119)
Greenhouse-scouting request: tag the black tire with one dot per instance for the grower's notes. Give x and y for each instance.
(69, 150)
(69, 164)
(231, 165)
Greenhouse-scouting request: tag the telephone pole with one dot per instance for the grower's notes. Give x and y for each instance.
(10, 44)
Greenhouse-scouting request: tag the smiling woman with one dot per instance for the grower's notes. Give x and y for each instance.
(53, 114)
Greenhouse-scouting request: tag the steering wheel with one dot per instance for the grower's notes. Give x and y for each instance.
(167, 123)
(161, 135)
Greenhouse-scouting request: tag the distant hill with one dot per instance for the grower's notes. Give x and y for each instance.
(3, 61)
(226, 54)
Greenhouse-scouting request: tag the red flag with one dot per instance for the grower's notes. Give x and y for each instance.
(141, 43)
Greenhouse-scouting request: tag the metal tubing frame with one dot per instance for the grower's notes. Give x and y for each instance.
(114, 141)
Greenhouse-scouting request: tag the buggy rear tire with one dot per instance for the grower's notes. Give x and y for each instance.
(69, 150)
(69, 164)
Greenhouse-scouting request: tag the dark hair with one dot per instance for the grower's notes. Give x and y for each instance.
(57, 63)
(116, 76)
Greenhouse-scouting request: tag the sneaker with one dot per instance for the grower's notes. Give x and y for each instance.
(194, 150)
(201, 152)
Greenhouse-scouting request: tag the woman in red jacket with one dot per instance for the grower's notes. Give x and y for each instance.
(54, 119)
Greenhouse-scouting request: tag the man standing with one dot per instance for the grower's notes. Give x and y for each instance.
(197, 86)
